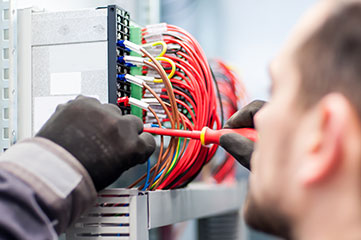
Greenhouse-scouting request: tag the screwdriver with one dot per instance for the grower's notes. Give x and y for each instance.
(206, 135)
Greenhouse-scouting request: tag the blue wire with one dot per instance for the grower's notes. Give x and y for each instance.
(156, 177)
(156, 125)
(159, 174)
(120, 43)
(147, 179)
(146, 185)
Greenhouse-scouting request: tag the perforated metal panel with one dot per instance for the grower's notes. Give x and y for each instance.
(118, 214)
(110, 218)
(129, 214)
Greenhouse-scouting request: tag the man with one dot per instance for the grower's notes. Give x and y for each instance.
(306, 168)
(305, 180)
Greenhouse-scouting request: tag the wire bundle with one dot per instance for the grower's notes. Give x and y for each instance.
(179, 94)
(233, 96)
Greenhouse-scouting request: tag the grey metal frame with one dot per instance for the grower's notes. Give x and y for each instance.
(129, 214)
(24, 75)
(5, 74)
(13, 83)
(41, 33)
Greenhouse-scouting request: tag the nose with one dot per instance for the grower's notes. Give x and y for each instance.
(259, 116)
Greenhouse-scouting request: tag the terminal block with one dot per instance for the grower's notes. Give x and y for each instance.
(118, 29)
(136, 91)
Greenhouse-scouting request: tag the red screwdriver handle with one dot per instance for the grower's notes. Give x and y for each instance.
(210, 136)
(207, 135)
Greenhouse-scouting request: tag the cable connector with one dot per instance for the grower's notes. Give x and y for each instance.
(131, 61)
(122, 60)
(152, 101)
(133, 101)
(138, 103)
(156, 28)
(145, 78)
(153, 37)
(135, 60)
(147, 125)
(131, 79)
(124, 100)
(132, 46)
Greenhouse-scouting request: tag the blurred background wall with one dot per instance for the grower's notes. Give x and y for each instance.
(246, 33)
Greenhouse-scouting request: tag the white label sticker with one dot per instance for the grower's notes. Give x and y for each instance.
(65, 83)
(44, 107)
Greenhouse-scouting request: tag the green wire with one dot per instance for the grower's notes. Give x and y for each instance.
(175, 159)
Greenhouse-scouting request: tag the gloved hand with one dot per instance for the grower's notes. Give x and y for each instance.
(104, 142)
(238, 146)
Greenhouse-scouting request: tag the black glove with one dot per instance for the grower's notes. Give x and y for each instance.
(238, 146)
(105, 142)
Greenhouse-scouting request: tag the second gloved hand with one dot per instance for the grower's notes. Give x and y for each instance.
(238, 146)
(104, 142)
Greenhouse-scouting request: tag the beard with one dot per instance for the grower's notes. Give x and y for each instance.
(266, 218)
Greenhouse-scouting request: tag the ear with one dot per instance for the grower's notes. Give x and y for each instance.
(324, 153)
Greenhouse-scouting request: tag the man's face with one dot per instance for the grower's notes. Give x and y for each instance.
(271, 178)
(282, 127)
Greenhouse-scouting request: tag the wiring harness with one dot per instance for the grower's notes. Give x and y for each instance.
(233, 96)
(179, 92)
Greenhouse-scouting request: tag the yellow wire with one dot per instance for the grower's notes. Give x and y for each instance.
(162, 43)
(157, 80)
(164, 49)
(172, 165)
(171, 74)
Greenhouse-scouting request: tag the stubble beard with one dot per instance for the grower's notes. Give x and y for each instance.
(267, 218)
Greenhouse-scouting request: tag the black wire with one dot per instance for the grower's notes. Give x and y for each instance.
(227, 99)
(186, 92)
(173, 35)
(172, 51)
(223, 77)
(187, 181)
(219, 96)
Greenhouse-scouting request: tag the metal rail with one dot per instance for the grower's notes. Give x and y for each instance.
(129, 214)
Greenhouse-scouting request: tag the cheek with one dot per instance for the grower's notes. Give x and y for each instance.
(269, 163)
(271, 124)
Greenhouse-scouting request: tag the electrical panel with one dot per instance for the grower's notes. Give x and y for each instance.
(72, 53)
(84, 52)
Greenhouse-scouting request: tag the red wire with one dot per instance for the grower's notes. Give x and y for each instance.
(229, 86)
(193, 75)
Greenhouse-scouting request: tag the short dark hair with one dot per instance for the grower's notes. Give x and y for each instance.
(330, 59)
